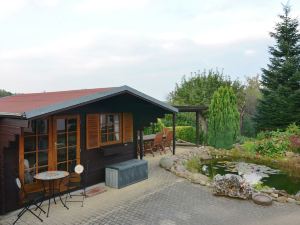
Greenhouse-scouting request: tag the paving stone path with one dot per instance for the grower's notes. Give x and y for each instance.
(164, 199)
(183, 203)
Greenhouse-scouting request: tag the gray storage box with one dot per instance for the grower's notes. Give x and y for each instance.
(125, 173)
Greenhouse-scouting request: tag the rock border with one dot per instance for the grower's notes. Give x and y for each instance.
(176, 165)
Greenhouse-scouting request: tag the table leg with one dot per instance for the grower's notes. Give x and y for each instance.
(49, 183)
(59, 194)
(53, 192)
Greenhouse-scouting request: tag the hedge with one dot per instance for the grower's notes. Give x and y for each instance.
(186, 133)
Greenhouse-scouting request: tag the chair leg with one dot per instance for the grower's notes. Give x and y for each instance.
(35, 214)
(26, 208)
(170, 148)
(19, 216)
(38, 206)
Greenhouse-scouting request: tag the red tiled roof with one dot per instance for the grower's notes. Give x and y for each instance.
(21, 103)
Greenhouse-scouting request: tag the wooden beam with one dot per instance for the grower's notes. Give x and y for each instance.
(187, 108)
(174, 133)
(141, 132)
(135, 141)
(197, 129)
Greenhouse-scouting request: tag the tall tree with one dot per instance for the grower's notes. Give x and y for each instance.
(280, 103)
(252, 95)
(199, 88)
(223, 120)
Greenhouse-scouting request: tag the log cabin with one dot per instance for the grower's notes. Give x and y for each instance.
(57, 130)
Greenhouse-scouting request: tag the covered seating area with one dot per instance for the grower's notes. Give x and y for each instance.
(165, 139)
(159, 142)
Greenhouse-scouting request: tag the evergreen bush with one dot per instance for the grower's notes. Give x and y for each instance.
(223, 120)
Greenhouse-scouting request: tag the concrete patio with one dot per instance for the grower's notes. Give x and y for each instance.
(163, 199)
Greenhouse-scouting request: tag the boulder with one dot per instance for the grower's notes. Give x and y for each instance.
(282, 199)
(282, 193)
(180, 168)
(205, 156)
(291, 200)
(297, 196)
(198, 178)
(274, 195)
(231, 185)
(166, 163)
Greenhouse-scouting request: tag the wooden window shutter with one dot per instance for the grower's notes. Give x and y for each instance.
(127, 127)
(92, 131)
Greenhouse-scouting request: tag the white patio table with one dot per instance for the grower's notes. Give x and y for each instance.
(51, 177)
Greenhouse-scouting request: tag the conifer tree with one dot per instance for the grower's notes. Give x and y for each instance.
(223, 120)
(280, 103)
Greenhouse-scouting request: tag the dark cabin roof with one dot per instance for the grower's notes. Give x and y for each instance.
(28, 106)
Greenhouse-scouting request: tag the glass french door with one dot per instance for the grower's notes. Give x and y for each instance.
(66, 137)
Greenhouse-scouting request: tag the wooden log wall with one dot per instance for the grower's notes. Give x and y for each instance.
(10, 130)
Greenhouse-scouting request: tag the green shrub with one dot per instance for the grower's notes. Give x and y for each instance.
(249, 146)
(293, 129)
(243, 139)
(154, 127)
(274, 143)
(186, 133)
(223, 119)
(193, 165)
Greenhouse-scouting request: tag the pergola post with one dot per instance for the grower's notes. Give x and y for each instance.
(174, 133)
(141, 132)
(135, 142)
(197, 128)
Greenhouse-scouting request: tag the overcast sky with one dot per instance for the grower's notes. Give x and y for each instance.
(49, 45)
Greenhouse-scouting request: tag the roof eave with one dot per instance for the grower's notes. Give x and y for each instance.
(13, 115)
(93, 98)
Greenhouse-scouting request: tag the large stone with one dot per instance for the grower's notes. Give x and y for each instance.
(282, 199)
(205, 156)
(282, 193)
(291, 200)
(166, 163)
(297, 196)
(231, 185)
(274, 195)
(199, 178)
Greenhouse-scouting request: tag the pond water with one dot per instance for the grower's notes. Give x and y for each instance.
(252, 172)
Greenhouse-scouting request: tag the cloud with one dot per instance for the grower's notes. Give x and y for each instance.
(104, 6)
(8, 8)
(145, 44)
(249, 52)
(97, 58)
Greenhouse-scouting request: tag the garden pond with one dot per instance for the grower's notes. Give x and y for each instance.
(253, 173)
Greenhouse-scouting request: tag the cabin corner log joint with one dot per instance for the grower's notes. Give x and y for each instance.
(57, 130)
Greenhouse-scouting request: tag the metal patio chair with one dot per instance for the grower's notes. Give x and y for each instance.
(77, 182)
(30, 199)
